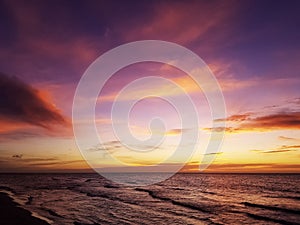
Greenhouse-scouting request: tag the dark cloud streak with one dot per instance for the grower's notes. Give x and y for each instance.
(288, 138)
(18, 156)
(276, 121)
(281, 149)
(20, 102)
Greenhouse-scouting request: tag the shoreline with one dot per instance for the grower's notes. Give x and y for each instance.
(12, 214)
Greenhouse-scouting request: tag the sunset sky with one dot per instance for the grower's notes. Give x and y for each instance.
(252, 47)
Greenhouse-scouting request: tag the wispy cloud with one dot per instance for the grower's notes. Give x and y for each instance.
(284, 138)
(177, 131)
(273, 151)
(167, 20)
(290, 147)
(55, 163)
(281, 149)
(107, 147)
(40, 161)
(214, 153)
(235, 118)
(115, 146)
(22, 133)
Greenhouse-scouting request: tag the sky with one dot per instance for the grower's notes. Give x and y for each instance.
(251, 47)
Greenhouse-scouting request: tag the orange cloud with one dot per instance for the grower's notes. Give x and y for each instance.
(245, 168)
(235, 118)
(246, 122)
(280, 121)
(23, 163)
(174, 132)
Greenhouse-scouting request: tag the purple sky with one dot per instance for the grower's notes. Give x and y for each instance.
(252, 47)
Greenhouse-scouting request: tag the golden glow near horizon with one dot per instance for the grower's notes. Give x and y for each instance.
(254, 142)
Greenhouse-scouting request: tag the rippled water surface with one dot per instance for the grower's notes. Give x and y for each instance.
(182, 199)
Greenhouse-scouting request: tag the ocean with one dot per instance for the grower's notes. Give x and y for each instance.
(84, 199)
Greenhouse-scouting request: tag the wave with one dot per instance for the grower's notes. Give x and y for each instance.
(5, 188)
(29, 200)
(78, 223)
(265, 218)
(288, 197)
(174, 202)
(52, 213)
(111, 186)
(274, 208)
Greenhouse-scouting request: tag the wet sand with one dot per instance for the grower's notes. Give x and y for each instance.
(12, 214)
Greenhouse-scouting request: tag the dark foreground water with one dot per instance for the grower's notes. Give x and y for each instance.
(183, 199)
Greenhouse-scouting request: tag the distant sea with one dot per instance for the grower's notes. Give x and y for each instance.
(82, 199)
